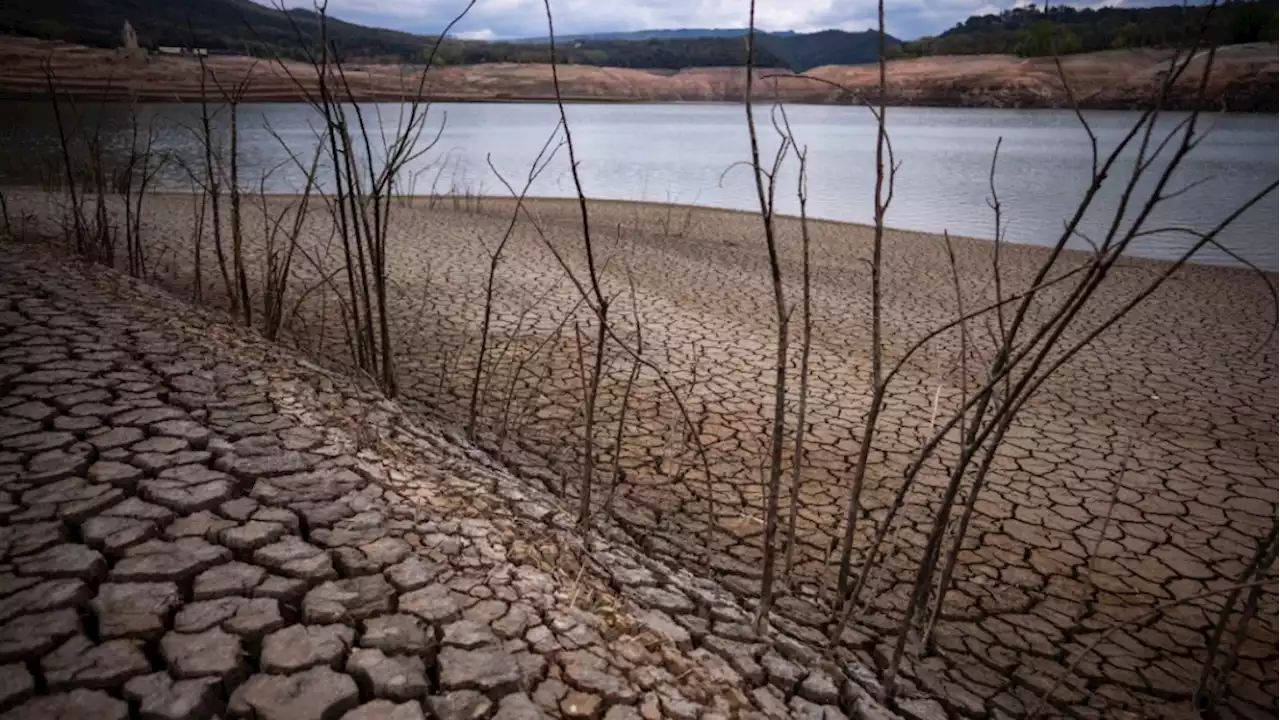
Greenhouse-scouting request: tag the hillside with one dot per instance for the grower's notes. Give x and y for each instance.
(232, 25)
(246, 27)
(1031, 32)
(1244, 79)
(799, 51)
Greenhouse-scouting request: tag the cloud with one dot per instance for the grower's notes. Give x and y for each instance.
(509, 19)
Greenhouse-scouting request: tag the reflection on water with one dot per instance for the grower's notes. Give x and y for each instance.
(680, 153)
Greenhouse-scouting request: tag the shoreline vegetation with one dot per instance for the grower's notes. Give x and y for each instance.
(1243, 79)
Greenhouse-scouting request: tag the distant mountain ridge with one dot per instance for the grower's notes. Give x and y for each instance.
(658, 34)
(798, 51)
(243, 26)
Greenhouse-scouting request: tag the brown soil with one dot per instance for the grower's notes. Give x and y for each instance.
(1140, 474)
(1244, 78)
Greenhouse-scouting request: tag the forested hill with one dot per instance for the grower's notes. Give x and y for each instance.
(232, 25)
(243, 26)
(797, 51)
(1034, 31)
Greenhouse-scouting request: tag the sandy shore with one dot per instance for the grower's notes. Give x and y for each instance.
(1184, 388)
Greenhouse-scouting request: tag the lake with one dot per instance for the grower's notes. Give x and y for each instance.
(688, 153)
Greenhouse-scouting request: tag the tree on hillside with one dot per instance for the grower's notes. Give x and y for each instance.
(1253, 23)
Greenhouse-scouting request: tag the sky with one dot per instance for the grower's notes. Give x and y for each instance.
(510, 19)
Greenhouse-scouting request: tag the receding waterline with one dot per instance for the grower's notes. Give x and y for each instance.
(680, 153)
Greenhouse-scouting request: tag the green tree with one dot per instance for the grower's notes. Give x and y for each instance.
(1129, 35)
(1253, 23)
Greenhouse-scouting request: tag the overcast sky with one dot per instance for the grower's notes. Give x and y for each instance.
(508, 19)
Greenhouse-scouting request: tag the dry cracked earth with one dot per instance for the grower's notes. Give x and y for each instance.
(199, 525)
(1142, 474)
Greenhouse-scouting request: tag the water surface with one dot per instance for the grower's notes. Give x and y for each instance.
(688, 153)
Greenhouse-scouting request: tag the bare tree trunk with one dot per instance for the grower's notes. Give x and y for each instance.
(237, 232)
(780, 360)
(214, 190)
(601, 304)
(878, 383)
(797, 458)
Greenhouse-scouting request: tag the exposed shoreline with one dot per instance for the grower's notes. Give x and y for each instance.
(1244, 80)
(661, 207)
(1177, 400)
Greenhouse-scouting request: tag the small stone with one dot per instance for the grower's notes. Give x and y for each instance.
(433, 603)
(623, 712)
(201, 524)
(783, 674)
(34, 635)
(519, 618)
(136, 610)
(114, 473)
(412, 574)
(299, 647)
(459, 705)
(398, 634)
(16, 684)
(160, 697)
(386, 710)
(518, 706)
(294, 558)
(34, 410)
(146, 416)
(258, 466)
(490, 671)
(34, 537)
(590, 673)
(396, 677)
(234, 578)
(349, 600)
(740, 656)
(64, 561)
(675, 705)
(80, 663)
(386, 551)
(58, 464)
(662, 625)
(75, 705)
(581, 706)
(212, 653)
(770, 703)
(240, 509)
(116, 437)
(114, 535)
(468, 635)
(48, 595)
(315, 694)
(820, 688)
(485, 612)
(252, 535)
(163, 445)
(922, 709)
(188, 488)
(194, 433)
(288, 590)
(157, 560)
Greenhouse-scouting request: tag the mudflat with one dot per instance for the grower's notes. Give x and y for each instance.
(1142, 473)
(1243, 79)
